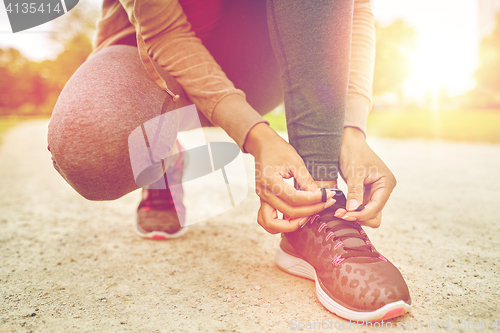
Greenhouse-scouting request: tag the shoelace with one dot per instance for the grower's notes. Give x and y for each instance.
(157, 199)
(349, 251)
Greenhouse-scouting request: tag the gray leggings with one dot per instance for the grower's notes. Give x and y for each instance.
(111, 94)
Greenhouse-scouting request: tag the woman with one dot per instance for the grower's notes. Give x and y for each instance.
(226, 57)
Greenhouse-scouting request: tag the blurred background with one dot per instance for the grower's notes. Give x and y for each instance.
(437, 69)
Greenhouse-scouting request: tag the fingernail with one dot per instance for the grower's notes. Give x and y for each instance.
(330, 194)
(330, 203)
(345, 217)
(303, 220)
(337, 214)
(352, 204)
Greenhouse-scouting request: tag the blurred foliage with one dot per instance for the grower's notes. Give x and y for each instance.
(28, 87)
(392, 61)
(487, 92)
(79, 22)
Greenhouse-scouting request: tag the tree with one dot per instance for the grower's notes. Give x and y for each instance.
(17, 82)
(80, 21)
(12, 59)
(73, 32)
(33, 87)
(487, 91)
(392, 60)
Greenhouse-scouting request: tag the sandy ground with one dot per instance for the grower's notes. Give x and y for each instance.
(71, 265)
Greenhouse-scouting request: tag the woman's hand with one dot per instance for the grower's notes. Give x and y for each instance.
(369, 181)
(275, 159)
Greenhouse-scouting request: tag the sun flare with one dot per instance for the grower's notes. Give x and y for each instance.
(445, 56)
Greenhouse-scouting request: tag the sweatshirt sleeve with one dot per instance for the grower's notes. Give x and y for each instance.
(359, 97)
(163, 30)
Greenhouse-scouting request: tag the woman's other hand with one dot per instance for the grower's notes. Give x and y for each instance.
(369, 181)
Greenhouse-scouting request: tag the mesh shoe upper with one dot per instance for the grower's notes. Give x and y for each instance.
(349, 268)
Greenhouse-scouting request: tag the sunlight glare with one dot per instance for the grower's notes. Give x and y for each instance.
(446, 50)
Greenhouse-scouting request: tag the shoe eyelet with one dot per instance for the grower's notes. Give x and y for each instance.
(321, 227)
(338, 260)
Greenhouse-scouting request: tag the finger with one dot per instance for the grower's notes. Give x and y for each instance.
(349, 218)
(268, 219)
(300, 220)
(340, 212)
(265, 215)
(296, 211)
(376, 203)
(304, 179)
(292, 196)
(355, 189)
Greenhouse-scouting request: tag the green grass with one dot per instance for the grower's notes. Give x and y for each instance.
(277, 121)
(453, 125)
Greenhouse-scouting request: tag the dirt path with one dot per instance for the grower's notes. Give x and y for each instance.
(71, 265)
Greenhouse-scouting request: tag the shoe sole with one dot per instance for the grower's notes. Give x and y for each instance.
(160, 235)
(302, 268)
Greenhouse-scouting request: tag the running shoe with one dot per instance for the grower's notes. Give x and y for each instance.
(158, 217)
(353, 280)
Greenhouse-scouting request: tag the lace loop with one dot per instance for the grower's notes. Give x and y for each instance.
(349, 251)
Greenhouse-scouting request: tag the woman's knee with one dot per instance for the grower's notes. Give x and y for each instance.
(96, 174)
(108, 97)
(92, 119)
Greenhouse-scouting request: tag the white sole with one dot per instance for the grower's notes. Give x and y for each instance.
(300, 267)
(160, 235)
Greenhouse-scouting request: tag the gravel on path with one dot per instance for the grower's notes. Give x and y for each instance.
(72, 265)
